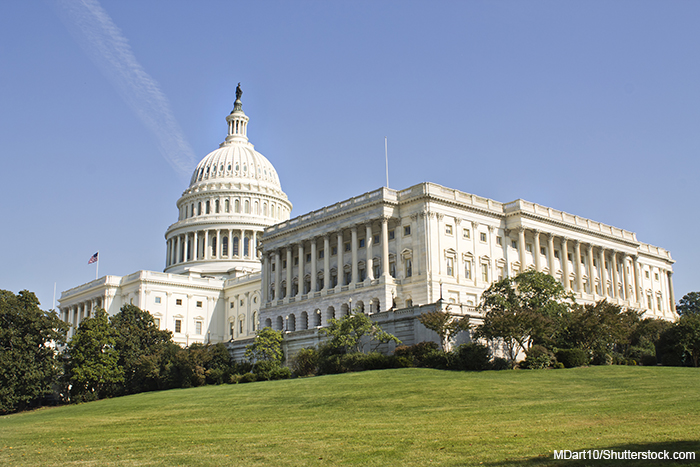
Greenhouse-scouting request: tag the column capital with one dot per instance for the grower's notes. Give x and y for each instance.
(490, 227)
(458, 220)
(475, 225)
(521, 229)
(414, 217)
(589, 248)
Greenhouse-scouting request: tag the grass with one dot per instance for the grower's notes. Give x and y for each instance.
(393, 417)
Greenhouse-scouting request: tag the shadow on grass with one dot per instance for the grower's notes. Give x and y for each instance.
(572, 461)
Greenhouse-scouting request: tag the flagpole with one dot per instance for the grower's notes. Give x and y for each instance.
(53, 307)
(386, 159)
(97, 268)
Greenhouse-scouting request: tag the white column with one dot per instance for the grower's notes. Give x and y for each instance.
(591, 270)
(353, 248)
(278, 268)
(218, 244)
(313, 267)
(521, 248)
(603, 273)
(536, 252)
(254, 245)
(230, 245)
(184, 254)
(265, 277)
(326, 261)
(550, 255)
(341, 264)
(177, 250)
(206, 245)
(565, 264)
(369, 243)
(615, 282)
(672, 297)
(637, 284)
(385, 247)
(625, 277)
(195, 246)
(300, 271)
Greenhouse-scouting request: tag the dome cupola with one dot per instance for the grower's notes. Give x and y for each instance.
(234, 194)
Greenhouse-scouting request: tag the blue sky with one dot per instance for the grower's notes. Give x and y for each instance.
(587, 107)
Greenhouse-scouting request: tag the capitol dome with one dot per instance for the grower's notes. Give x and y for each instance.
(234, 193)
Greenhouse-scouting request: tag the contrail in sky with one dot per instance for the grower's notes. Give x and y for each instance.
(107, 47)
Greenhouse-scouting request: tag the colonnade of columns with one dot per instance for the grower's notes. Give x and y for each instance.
(212, 244)
(274, 262)
(74, 314)
(618, 273)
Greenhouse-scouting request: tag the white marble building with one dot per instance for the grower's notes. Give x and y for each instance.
(236, 262)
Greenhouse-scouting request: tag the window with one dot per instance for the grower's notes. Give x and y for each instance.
(156, 321)
(231, 305)
(501, 272)
(409, 267)
(409, 303)
(568, 255)
(466, 233)
(362, 243)
(649, 304)
(240, 326)
(656, 276)
(485, 272)
(178, 301)
(308, 257)
(227, 206)
(514, 244)
(321, 254)
(235, 246)
(392, 269)
(208, 207)
(556, 254)
(224, 246)
(198, 327)
(348, 277)
(246, 246)
(199, 304)
(658, 302)
(467, 269)
(334, 251)
(296, 261)
(450, 266)
(528, 247)
(216, 206)
(392, 234)
(448, 229)
(376, 239)
(482, 236)
(157, 299)
(347, 246)
(646, 274)
(543, 252)
(406, 230)
(178, 325)
(499, 241)
(199, 208)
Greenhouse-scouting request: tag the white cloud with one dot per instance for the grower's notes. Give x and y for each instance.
(107, 47)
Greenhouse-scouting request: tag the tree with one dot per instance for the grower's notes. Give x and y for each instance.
(523, 311)
(689, 304)
(135, 337)
(28, 359)
(688, 334)
(346, 333)
(444, 324)
(600, 328)
(92, 366)
(267, 346)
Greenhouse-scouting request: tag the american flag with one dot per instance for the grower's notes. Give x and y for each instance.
(93, 258)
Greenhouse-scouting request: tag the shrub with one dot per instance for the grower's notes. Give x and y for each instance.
(305, 362)
(559, 366)
(436, 359)
(572, 357)
(648, 360)
(416, 352)
(501, 364)
(538, 358)
(471, 357)
(248, 378)
(268, 370)
(602, 358)
(401, 362)
(361, 362)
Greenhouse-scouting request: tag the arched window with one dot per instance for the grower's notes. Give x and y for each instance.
(199, 208)
(247, 207)
(272, 210)
(213, 246)
(192, 210)
(235, 246)
(226, 205)
(255, 208)
(264, 209)
(255, 321)
(216, 206)
(208, 207)
(237, 206)
(240, 326)
(189, 249)
(246, 246)
(224, 246)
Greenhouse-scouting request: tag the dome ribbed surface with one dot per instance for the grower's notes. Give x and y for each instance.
(236, 162)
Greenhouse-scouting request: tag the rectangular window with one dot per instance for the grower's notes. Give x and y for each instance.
(392, 234)
(485, 272)
(450, 266)
(198, 327)
(406, 230)
(409, 267)
(528, 247)
(347, 246)
(376, 239)
(466, 233)
(362, 243)
(156, 321)
(646, 274)
(658, 302)
(296, 261)
(157, 299)
(284, 264)
(556, 254)
(500, 273)
(543, 252)
(514, 244)
(649, 305)
(499, 241)
(178, 325)
(308, 257)
(321, 254)
(448, 229)
(568, 255)
(334, 251)
(199, 304)
(273, 267)
(467, 269)
(178, 301)
(482, 236)
(231, 305)
(656, 276)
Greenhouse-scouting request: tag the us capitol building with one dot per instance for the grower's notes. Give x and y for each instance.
(236, 262)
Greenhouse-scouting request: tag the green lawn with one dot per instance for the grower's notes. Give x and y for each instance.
(391, 417)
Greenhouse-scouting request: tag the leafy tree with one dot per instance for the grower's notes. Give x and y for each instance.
(523, 311)
(688, 335)
(92, 366)
(28, 363)
(600, 328)
(346, 333)
(446, 325)
(689, 304)
(136, 336)
(266, 346)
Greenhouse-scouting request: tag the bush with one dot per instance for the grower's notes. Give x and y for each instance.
(401, 362)
(559, 366)
(572, 357)
(305, 362)
(471, 357)
(501, 364)
(416, 352)
(602, 358)
(436, 359)
(538, 358)
(648, 360)
(268, 370)
(362, 362)
(248, 378)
